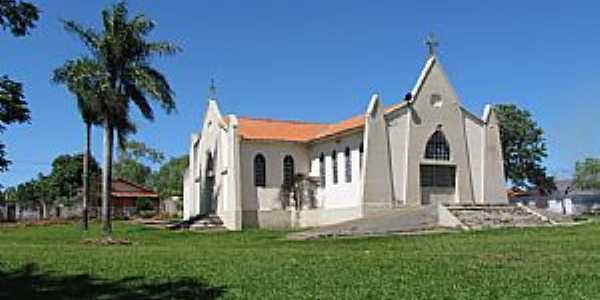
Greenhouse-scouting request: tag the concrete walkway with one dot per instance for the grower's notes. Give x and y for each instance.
(385, 222)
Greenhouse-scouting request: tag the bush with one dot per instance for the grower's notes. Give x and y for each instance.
(144, 204)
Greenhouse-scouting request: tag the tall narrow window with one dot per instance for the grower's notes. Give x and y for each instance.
(322, 170)
(334, 166)
(260, 171)
(288, 170)
(210, 165)
(437, 147)
(361, 152)
(348, 162)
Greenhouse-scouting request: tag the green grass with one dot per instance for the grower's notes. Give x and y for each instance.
(53, 263)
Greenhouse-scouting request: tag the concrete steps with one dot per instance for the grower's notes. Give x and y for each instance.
(497, 216)
(431, 218)
(200, 223)
(210, 222)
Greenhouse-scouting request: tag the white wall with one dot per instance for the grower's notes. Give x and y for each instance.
(342, 194)
(474, 130)
(268, 197)
(398, 124)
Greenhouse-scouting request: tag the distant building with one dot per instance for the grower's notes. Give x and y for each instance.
(422, 150)
(567, 199)
(125, 196)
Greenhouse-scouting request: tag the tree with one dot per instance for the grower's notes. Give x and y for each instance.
(18, 17)
(123, 54)
(139, 151)
(66, 177)
(83, 79)
(61, 185)
(34, 193)
(132, 170)
(524, 148)
(131, 164)
(168, 181)
(587, 174)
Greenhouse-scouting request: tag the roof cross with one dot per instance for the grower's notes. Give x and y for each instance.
(431, 44)
(212, 90)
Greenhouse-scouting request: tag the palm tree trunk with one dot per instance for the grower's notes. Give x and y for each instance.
(86, 177)
(107, 177)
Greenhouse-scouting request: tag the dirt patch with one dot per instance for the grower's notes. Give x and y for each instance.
(37, 223)
(107, 241)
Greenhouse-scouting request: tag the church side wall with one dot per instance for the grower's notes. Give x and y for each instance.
(398, 123)
(474, 131)
(189, 184)
(341, 194)
(494, 181)
(262, 206)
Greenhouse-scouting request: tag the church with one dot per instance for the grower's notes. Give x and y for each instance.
(424, 150)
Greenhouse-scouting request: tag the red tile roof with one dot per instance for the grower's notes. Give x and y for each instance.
(277, 130)
(295, 131)
(123, 188)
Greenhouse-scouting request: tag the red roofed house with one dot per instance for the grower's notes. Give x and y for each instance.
(125, 195)
(424, 149)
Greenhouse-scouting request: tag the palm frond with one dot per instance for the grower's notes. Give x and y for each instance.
(154, 84)
(87, 80)
(142, 25)
(162, 48)
(140, 101)
(87, 35)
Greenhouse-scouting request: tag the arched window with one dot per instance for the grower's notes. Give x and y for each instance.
(210, 165)
(322, 169)
(361, 152)
(334, 166)
(260, 171)
(437, 147)
(288, 170)
(348, 162)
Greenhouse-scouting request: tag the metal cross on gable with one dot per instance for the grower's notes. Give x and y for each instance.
(431, 44)
(212, 90)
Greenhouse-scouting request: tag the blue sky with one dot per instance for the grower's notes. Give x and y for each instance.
(320, 61)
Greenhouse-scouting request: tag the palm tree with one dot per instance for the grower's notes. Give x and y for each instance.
(83, 78)
(122, 54)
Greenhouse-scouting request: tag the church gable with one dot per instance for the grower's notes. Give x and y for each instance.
(435, 112)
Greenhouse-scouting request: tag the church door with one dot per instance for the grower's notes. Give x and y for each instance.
(209, 186)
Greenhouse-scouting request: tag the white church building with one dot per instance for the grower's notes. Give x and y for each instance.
(425, 149)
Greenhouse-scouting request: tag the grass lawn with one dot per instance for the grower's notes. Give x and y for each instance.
(52, 262)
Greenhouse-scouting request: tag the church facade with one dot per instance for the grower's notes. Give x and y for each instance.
(424, 150)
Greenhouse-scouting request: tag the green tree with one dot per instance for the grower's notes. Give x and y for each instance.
(168, 181)
(132, 170)
(18, 17)
(66, 177)
(132, 162)
(36, 192)
(124, 55)
(587, 174)
(524, 148)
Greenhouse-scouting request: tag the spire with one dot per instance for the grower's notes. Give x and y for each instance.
(212, 90)
(431, 44)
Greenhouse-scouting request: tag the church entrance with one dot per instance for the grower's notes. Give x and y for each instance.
(438, 174)
(438, 183)
(209, 205)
